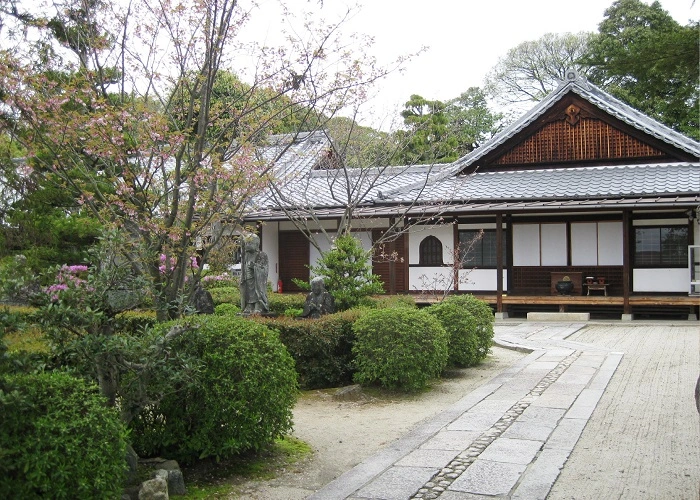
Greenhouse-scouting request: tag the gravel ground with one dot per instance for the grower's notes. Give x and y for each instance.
(643, 440)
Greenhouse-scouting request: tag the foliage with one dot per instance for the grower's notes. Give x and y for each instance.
(359, 146)
(58, 439)
(280, 302)
(321, 348)
(427, 139)
(227, 309)
(347, 272)
(469, 324)
(644, 57)
(130, 112)
(240, 398)
(399, 348)
(134, 322)
(225, 295)
(18, 282)
(387, 301)
(534, 68)
(470, 121)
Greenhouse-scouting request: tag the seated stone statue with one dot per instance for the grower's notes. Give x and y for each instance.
(318, 301)
(254, 268)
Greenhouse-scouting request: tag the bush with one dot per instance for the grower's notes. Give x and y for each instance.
(227, 310)
(239, 399)
(321, 348)
(280, 302)
(58, 439)
(387, 301)
(134, 322)
(469, 323)
(226, 295)
(399, 348)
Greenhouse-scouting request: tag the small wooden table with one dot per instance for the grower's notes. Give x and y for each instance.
(597, 286)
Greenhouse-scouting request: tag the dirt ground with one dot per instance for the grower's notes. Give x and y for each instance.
(642, 442)
(343, 433)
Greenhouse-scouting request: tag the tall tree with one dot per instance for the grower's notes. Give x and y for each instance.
(643, 56)
(127, 106)
(426, 138)
(534, 68)
(470, 121)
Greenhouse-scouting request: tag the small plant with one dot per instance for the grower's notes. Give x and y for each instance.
(399, 348)
(469, 324)
(347, 272)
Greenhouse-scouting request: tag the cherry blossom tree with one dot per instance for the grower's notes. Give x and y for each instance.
(122, 105)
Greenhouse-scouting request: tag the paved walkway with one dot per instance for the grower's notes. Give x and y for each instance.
(509, 438)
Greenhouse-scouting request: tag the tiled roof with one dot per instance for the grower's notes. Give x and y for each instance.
(297, 184)
(563, 183)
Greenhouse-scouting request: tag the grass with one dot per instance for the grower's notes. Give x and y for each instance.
(212, 479)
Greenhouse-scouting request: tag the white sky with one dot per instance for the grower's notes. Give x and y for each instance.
(465, 37)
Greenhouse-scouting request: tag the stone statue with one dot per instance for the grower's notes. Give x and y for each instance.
(254, 268)
(318, 301)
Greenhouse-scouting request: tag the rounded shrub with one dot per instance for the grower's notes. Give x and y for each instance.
(58, 439)
(399, 348)
(240, 397)
(226, 309)
(469, 324)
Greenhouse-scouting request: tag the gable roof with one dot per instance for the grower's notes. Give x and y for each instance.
(551, 180)
(600, 99)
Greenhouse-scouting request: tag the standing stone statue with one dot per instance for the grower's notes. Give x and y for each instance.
(318, 301)
(254, 268)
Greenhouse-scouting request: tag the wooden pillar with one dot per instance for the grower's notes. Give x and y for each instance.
(626, 257)
(499, 263)
(456, 254)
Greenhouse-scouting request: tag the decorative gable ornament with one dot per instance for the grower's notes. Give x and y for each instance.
(573, 114)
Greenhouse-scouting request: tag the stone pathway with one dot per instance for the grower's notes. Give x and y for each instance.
(509, 438)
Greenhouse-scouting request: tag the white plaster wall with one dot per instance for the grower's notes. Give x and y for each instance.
(444, 233)
(270, 245)
(481, 279)
(432, 277)
(660, 280)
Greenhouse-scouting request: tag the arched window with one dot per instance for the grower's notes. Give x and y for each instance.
(430, 253)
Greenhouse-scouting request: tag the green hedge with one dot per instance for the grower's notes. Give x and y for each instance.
(399, 348)
(58, 439)
(469, 323)
(280, 302)
(387, 301)
(321, 348)
(240, 398)
(226, 295)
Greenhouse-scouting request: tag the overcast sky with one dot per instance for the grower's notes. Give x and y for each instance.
(465, 38)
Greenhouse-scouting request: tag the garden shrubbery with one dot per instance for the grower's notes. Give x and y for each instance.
(469, 323)
(399, 348)
(58, 439)
(225, 295)
(279, 303)
(239, 399)
(321, 348)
